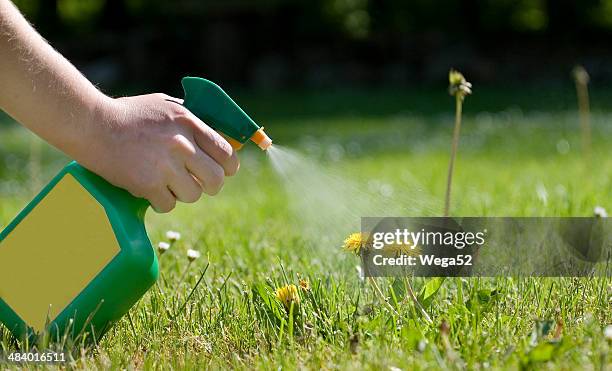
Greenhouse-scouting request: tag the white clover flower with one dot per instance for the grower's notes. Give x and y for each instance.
(193, 254)
(173, 236)
(162, 247)
(600, 212)
(608, 332)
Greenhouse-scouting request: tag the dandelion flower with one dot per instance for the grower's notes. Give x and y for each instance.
(193, 254)
(355, 242)
(403, 249)
(608, 332)
(458, 85)
(173, 236)
(600, 212)
(162, 247)
(287, 295)
(304, 284)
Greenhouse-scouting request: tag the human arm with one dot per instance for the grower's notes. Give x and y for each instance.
(150, 145)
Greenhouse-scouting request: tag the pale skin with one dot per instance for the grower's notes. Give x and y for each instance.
(149, 145)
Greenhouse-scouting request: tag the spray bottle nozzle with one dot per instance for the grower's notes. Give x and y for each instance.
(213, 106)
(261, 139)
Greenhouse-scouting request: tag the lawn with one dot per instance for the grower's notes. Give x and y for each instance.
(371, 153)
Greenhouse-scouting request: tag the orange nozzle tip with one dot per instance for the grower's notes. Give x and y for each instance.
(262, 139)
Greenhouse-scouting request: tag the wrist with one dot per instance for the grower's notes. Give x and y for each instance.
(93, 130)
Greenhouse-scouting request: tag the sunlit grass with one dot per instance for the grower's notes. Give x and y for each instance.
(253, 244)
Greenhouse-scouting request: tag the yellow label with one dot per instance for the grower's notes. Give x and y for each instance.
(54, 253)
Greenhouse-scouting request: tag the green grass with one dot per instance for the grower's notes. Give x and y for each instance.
(254, 241)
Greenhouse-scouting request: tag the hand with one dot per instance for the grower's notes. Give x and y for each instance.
(156, 149)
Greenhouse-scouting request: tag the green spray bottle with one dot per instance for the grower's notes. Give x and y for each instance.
(77, 257)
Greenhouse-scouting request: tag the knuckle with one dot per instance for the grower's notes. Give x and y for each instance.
(215, 182)
(163, 206)
(232, 168)
(225, 149)
(179, 143)
(183, 116)
(168, 205)
(161, 95)
(193, 197)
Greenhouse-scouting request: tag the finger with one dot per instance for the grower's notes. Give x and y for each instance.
(162, 201)
(185, 187)
(207, 171)
(175, 100)
(215, 146)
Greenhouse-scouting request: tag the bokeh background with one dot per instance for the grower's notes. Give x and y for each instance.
(345, 79)
(281, 44)
(369, 72)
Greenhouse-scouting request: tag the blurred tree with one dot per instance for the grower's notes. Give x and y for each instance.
(530, 15)
(234, 40)
(352, 15)
(602, 14)
(79, 14)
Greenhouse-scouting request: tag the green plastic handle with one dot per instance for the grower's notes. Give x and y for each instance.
(211, 104)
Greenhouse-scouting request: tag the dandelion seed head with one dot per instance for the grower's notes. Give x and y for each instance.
(581, 75)
(458, 85)
(608, 332)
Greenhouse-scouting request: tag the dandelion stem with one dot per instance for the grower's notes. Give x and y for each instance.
(417, 304)
(454, 145)
(185, 273)
(584, 109)
(382, 296)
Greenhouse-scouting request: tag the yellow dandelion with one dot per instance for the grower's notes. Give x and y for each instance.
(402, 249)
(304, 284)
(287, 295)
(355, 242)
